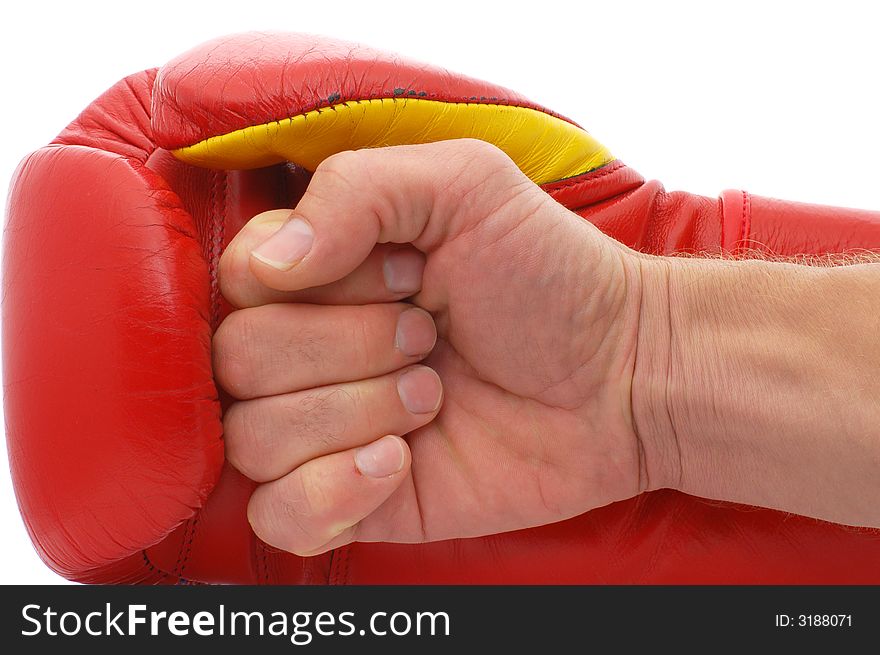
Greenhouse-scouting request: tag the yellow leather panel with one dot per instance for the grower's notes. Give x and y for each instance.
(545, 148)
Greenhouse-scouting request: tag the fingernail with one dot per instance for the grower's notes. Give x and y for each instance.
(287, 246)
(381, 458)
(420, 390)
(416, 333)
(403, 271)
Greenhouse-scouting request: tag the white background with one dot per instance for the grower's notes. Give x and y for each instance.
(780, 98)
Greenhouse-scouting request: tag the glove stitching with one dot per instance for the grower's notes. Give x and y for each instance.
(358, 100)
(166, 577)
(745, 225)
(218, 200)
(186, 546)
(332, 574)
(262, 564)
(346, 560)
(155, 569)
(175, 571)
(265, 565)
(339, 566)
(218, 213)
(336, 99)
(585, 177)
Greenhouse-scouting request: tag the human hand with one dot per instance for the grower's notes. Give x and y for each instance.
(536, 320)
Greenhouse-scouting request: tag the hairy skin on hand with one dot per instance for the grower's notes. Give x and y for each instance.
(766, 382)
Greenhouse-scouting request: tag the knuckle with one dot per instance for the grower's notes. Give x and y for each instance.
(341, 166)
(308, 496)
(233, 274)
(261, 515)
(370, 407)
(319, 418)
(492, 163)
(306, 348)
(283, 515)
(362, 342)
(302, 511)
(481, 148)
(482, 159)
(246, 447)
(269, 437)
(236, 351)
(257, 515)
(482, 170)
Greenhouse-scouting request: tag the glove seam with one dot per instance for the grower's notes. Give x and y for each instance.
(583, 178)
(186, 546)
(262, 560)
(745, 225)
(339, 566)
(217, 200)
(335, 100)
(166, 577)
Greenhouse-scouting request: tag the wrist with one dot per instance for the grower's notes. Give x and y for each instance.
(708, 359)
(655, 430)
(755, 382)
(702, 342)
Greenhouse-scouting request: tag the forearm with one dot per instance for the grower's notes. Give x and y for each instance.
(759, 382)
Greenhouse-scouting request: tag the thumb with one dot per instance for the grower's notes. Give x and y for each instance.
(356, 199)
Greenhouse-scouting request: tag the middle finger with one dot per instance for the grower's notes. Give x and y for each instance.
(275, 349)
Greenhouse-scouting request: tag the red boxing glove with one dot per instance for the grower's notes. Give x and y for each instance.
(110, 299)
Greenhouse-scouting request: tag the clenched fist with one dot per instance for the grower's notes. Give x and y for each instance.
(428, 347)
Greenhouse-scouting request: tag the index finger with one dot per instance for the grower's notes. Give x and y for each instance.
(401, 194)
(391, 272)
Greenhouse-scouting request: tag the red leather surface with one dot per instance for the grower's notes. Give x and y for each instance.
(793, 228)
(112, 416)
(110, 297)
(294, 73)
